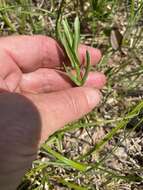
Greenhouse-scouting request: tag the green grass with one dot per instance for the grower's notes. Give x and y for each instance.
(70, 40)
(74, 157)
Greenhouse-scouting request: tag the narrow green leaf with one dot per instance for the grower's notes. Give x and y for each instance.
(67, 31)
(70, 43)
(114, 130)
(72, 56)
(72, 185)
(59, 31)
(71, 163)
(71, 76)
(72, 51)
(87, 68)
(65, 38)
(68, 51)
(76, 34)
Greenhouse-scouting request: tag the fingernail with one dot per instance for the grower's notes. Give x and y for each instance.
(93, 97)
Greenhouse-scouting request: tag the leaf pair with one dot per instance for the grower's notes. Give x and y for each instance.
(70, 40)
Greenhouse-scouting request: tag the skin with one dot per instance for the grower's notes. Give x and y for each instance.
(30, 82)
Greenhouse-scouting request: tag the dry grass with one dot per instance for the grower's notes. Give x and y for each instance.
(77, 157)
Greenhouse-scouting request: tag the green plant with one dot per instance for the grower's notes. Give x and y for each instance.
(70, 41)
(71, 159)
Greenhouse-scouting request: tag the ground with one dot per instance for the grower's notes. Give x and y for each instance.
(104, 150)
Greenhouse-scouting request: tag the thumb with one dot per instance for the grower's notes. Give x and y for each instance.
(59, 108)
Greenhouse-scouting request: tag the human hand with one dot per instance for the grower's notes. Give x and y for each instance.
(45, 99)
(28, 65)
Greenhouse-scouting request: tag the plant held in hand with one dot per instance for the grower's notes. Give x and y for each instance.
(70, 40)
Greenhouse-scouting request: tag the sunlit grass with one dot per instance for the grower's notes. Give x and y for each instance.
(57, 166)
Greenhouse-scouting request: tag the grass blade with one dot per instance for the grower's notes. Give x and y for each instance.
(87, 68)
(76, 34)
(119, 126)
(72, 185)
(67, 31)
(68, 50)
(70, 43)
(72, 77)
(71, 163)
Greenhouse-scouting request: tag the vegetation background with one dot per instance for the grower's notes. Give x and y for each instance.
(104, 150)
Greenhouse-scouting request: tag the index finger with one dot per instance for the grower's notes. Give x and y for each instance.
(33, 52)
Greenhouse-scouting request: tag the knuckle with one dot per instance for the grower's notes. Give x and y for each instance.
(76, 102)
(44, 49)
(72, 103)
(50, 52)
